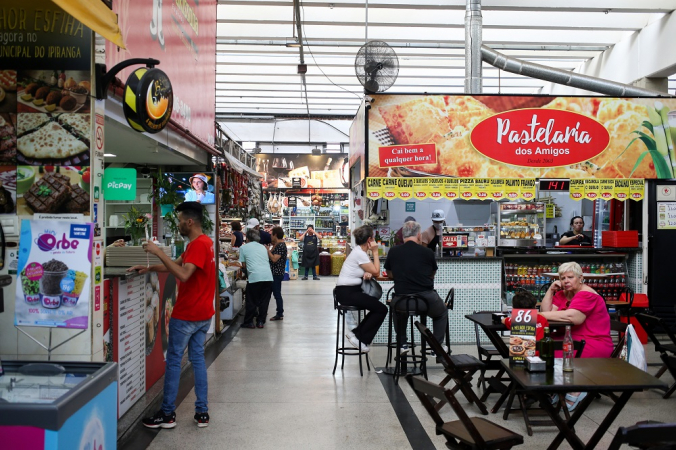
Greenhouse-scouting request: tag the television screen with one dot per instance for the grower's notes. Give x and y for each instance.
(194, 187)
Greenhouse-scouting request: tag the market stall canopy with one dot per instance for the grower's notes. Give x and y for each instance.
(239, 166)
(97, 16)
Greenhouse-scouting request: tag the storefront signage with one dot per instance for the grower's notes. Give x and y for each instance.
(519, 137)
(148, 100)
(182, 36)
(666, 216)
(54, 270)
(539, 138)
(497, 188)
(119, 184)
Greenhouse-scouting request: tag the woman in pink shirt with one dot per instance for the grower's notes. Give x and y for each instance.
(570, 300)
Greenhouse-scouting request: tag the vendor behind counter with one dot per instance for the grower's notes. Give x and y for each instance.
(431, 237)
(575, 236)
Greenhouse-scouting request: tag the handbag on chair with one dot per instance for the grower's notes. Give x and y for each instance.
(372, 288)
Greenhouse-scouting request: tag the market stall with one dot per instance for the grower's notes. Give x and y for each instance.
(508, 174)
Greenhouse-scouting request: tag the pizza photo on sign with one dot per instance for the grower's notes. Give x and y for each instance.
(7, 91)
(52, 190)
(521, 136)
(46, 138)
(53, 91)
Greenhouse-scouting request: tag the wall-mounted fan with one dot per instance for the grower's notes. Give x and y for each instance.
(376, 66)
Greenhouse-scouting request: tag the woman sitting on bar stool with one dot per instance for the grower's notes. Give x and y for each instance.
(570, 300)
(358, 266)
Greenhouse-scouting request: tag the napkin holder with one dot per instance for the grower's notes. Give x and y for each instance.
(535, 364)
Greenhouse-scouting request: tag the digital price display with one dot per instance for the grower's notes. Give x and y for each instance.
(554, 185)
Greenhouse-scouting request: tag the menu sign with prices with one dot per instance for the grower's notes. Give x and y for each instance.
(522, 339)
(131, 354)
(666, 216)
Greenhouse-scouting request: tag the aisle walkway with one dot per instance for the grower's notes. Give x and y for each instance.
(272, 388)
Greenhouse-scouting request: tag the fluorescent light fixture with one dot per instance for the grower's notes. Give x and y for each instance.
(292, 42)
(109, 155)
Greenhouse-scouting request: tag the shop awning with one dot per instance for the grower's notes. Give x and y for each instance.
(239, 166)
(97, 16)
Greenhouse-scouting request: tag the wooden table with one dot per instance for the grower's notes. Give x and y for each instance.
(591, 375)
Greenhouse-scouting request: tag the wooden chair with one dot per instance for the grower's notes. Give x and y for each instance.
(466, 432)
(459, 368)
(651, 324)
(624, 309)
(620, 328)
(486, 352)
(578, 346)
(646, 435)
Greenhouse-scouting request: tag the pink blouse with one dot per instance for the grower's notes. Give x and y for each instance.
(595, 330)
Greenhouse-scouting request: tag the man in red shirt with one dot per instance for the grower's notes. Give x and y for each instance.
(195, 271)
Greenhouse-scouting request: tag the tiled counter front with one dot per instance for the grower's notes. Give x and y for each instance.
(477, 284)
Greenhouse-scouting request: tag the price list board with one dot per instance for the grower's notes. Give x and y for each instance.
(131, 342)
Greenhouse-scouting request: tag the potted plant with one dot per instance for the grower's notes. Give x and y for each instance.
(164, 193)
(135, 222)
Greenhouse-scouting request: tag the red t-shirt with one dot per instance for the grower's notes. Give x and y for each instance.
(539, 327)
(195, 300)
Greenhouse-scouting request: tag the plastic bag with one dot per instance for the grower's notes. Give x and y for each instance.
(636, 353)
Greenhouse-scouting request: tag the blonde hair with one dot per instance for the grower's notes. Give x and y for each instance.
(571, 267)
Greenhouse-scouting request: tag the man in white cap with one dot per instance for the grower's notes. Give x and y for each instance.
(431, 237)
(253, 223)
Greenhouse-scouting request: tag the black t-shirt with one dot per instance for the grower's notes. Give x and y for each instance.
(266, 238)
(585, 239)
(412, 266)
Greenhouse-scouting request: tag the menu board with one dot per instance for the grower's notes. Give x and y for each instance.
(522, 338)
(131, 348)
(666, 216)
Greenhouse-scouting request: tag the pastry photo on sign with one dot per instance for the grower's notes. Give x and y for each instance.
(448, 122)
(53, 91)
(52, 190)
(61, 139)
(7, 91)
(7, 138)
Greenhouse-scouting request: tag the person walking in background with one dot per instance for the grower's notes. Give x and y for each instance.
(277, 254)
(237, 239)
(265, 237)
(254, 259)
(310, 251)
(195, 269)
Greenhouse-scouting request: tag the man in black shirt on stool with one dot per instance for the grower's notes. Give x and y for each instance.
(412, 267)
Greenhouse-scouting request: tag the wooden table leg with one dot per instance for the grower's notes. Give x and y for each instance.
(609, 419)
(565, 428)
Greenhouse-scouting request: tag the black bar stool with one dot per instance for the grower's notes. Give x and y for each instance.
(341, 349)
(412, 303)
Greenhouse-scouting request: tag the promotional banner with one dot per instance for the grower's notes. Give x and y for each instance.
(182, 35)
(497, 188)
(313, 171)
(522, 341)
(53, 274)
(521, 137)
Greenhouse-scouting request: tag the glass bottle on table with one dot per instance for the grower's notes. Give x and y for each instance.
(568, 350)
(547, 350)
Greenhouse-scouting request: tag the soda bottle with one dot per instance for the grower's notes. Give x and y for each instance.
(568, 350)
(547, 350)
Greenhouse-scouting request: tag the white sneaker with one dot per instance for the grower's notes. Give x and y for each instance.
(349, 334)
(355, 343)
(443, 346)
(404, 349)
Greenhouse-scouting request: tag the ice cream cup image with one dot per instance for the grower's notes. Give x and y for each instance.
(31, 289)
(71, 286)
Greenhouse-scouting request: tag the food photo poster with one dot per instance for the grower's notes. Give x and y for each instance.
(53, 271)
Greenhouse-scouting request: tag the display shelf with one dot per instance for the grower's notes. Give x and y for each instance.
(522, 211)
(591, 275)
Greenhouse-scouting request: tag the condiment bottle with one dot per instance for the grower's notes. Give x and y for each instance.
(568, 350)
(547, 350)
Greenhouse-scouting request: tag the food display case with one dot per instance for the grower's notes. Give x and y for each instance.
(522, 224)
(62, 405)
(478, 241)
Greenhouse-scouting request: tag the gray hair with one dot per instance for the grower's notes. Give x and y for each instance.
(410, 229)
(571, 267)
(252, 235)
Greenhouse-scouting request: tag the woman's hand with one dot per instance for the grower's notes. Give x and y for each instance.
(373, 245)
(367, 275)
(555, 286)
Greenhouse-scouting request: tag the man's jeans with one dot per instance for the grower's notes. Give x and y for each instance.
(182, 334)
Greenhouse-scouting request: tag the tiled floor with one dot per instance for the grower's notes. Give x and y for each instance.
(273, 388)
